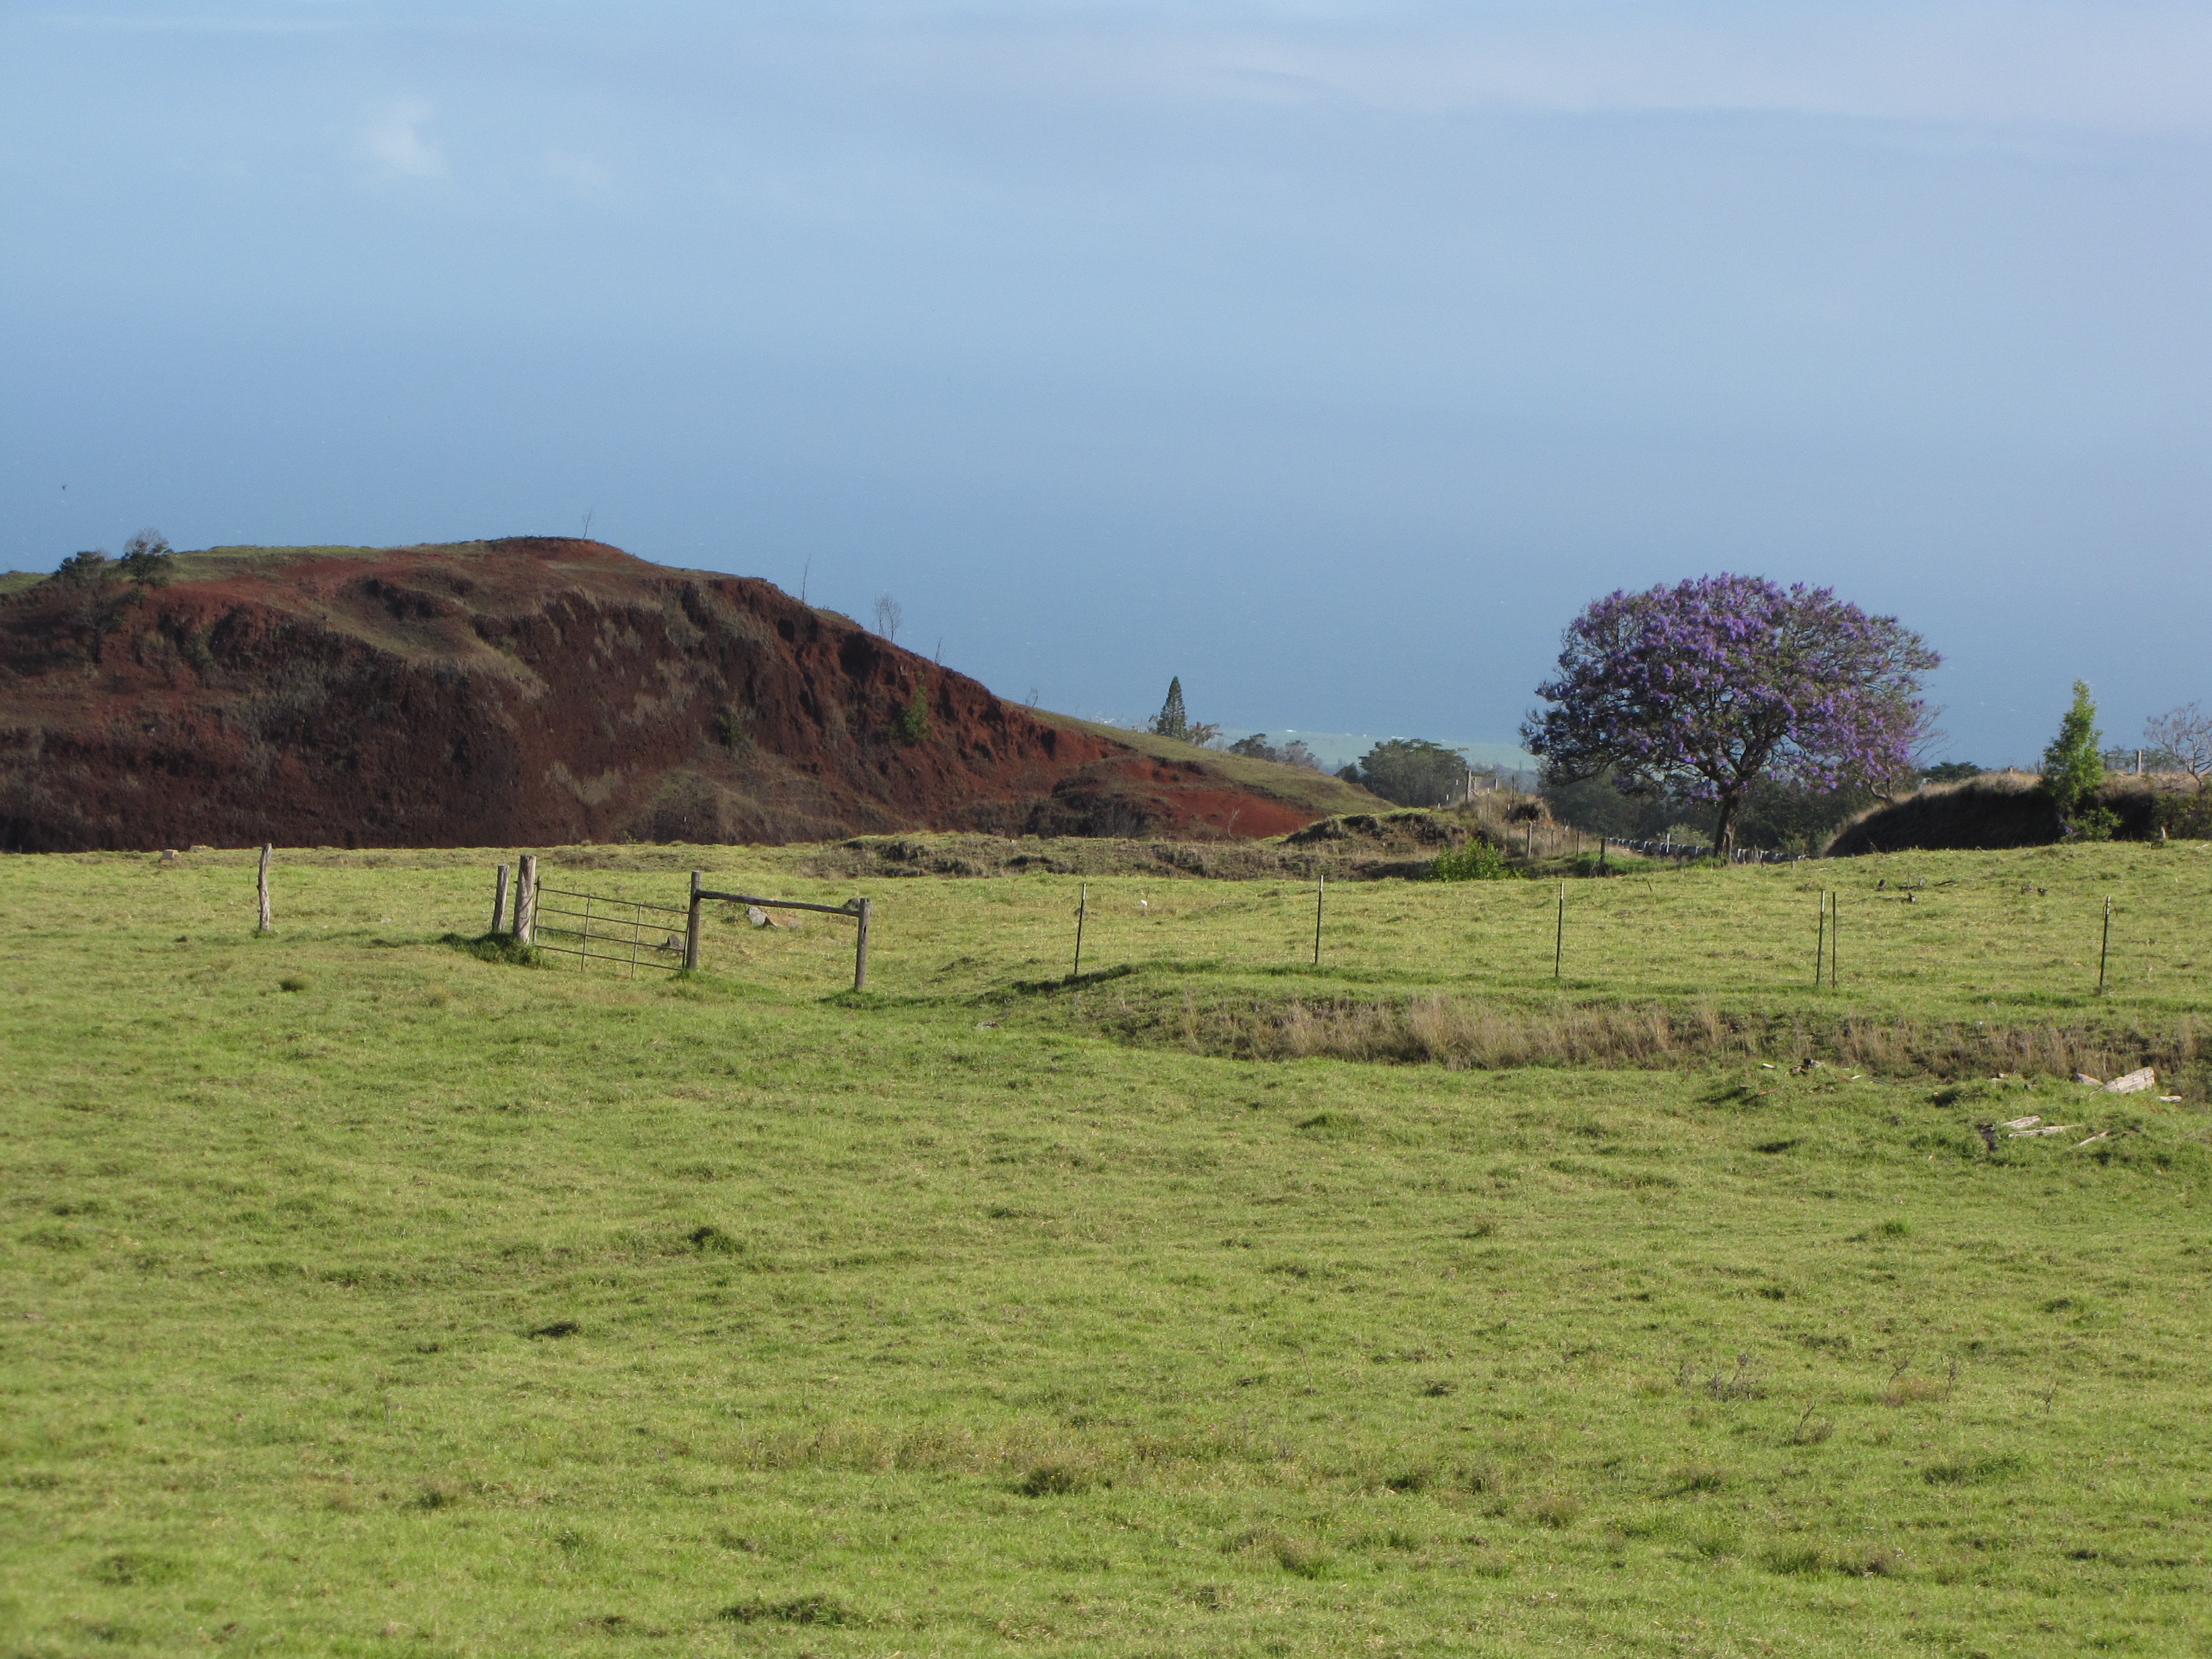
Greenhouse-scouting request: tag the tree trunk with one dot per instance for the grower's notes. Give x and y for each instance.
(1724, 831)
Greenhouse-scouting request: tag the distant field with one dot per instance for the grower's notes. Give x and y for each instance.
(363, 1296)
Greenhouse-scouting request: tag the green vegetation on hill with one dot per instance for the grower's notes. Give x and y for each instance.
(1316, 791)
(365, 1294)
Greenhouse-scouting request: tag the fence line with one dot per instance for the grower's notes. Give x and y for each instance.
(1539, 839)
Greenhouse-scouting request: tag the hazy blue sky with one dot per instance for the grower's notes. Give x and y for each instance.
(1328, 355)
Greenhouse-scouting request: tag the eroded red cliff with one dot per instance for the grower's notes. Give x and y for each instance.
(527, 691)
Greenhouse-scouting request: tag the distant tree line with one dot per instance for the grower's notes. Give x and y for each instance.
(1293, 753)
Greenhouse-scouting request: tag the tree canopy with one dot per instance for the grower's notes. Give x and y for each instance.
(1411, 771)
(1711, 684)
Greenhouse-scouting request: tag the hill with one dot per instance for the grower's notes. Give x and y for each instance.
(536, 691)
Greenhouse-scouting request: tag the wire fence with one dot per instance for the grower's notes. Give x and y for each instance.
(596, 927)
(1536, 838)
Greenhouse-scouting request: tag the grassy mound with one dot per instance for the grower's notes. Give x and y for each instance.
(1996, 810)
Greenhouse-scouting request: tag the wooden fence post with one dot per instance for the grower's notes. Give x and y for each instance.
(525, 899)
(499, 903)
(859, 942)
(261, 889)
(691, 929)
(1820, 941)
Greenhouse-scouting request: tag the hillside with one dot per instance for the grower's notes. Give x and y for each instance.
(537, 690)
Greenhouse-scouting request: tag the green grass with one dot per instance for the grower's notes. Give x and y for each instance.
(364, 1295)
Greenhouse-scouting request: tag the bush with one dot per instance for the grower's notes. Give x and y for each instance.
(2187, 818)
(911, 723)
(1478, 860)
(2096, 824)
(147, 559)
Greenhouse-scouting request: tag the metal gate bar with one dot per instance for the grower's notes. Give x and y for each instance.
(567, 930)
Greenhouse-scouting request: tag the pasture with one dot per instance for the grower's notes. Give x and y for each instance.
(367, 1295)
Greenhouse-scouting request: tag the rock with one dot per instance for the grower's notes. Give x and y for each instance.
(2134, 1082)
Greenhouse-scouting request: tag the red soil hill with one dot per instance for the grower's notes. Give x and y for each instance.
(526, 692)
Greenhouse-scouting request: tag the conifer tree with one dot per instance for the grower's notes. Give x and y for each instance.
(2073, 764)
(1172, 721)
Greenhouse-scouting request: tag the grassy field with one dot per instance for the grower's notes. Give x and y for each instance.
(365, 1295)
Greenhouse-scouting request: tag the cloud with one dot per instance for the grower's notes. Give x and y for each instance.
(393, 139)
(2128, 67)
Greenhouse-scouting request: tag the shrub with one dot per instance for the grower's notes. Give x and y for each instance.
(1478, 860)
(2096, 824)
(148, 560)
(2183, 816)
(911, 723)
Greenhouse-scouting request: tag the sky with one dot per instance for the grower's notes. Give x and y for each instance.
(1329, 357)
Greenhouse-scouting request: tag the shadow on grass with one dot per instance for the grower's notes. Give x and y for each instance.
(496, 947)
(1033, 988)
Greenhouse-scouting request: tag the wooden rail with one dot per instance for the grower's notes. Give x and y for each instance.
(858, 911)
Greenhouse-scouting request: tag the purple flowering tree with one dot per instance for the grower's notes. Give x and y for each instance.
(1713, 683)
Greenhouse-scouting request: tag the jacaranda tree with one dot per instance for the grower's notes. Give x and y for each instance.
(1711, 685)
